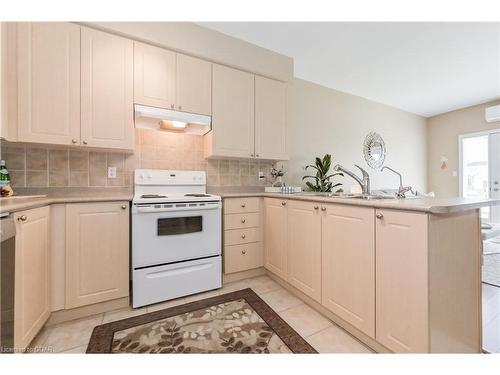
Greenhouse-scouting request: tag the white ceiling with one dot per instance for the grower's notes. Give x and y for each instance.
(423, 68)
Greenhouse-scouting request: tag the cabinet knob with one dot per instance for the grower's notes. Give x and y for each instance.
(243, 205)
(243, 252)
(22, 218)
(316, 207)
(251, 155)
(84, 142)
(180, 108)
(323, 209)
(243, 221)
(256, 155)
(124, 207)
(379, 216)
(73, 141)
(283, 203)
(243, 236)
(172, 106)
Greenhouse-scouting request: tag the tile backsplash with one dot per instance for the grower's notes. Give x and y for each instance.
(57, 166)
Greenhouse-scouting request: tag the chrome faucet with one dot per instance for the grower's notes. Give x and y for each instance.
(363, 182)
(402, 190)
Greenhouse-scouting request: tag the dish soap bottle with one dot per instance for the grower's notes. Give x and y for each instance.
(5, 189)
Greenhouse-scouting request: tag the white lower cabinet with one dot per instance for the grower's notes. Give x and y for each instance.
(32, 274)
(275, 236)
(402, 281)
(97, 252)
(348, 264)
(304, 247)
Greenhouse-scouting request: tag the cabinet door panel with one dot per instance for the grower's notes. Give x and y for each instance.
(232, 113)
(107, 90)
(304, 248)
(194, 85)
(32, 281)
(97, 252)
(154, 76)
(275, 238)
(270, 119)
(348, 265)
(48, 82)
(402, 286)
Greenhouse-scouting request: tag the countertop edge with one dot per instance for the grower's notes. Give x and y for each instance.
(402, 205)
(30, 203)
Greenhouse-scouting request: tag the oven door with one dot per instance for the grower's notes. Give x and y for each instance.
(161, 237)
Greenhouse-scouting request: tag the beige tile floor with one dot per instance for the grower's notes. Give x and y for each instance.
(321, 333)
(491, 318)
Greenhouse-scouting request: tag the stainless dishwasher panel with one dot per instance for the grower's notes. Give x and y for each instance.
(7, 263)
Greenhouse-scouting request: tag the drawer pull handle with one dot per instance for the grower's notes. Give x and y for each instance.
(243, 221)
(124, 207)
(316, 207)
(243, 236)
(243, 252)
(22, 218)
(323, 209)
(380, 216)
(283, 203)
(243, 205)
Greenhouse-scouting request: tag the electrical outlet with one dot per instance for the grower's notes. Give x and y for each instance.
(111, 172)
(261, 175)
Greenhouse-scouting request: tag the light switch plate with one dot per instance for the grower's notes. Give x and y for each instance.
(111, 172)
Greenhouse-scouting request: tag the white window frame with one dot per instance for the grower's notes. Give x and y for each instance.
(461, 137)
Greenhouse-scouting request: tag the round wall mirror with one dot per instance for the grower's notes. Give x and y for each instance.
(374, 150)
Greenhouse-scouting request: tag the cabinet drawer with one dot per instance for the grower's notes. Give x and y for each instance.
(238, 221)
(241, 236)
(243, 257)
(241, 205)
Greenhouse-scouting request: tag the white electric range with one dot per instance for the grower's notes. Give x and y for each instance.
(176, 236)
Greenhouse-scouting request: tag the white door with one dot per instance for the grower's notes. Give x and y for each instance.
(480, 170)
(494, 173)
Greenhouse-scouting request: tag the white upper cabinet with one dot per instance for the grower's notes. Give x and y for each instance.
(194, 85)
(248, 116)
(232, 132)
(166, 79)
(48, 85)
(154, 76)
(270, 119)
(107, 118)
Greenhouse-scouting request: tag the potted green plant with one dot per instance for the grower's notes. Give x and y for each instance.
(321, 179)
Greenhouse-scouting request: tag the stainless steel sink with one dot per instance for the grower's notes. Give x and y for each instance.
(349, 195)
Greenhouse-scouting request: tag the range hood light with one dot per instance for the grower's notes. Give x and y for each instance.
(179, 124)
(147, 117)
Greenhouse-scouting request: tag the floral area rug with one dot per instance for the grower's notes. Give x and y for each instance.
(237, 322)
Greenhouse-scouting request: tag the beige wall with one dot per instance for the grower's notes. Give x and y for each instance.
(323, 120)
(443, 131)
(206, 43)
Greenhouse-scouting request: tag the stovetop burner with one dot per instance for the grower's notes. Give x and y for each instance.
(153, 196)
(197, 195)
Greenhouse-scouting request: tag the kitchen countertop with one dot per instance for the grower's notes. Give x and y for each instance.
(28, 201)
(424, 204)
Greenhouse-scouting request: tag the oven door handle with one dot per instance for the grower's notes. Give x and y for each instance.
(139, 209)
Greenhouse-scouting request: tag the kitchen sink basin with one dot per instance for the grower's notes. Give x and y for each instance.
(349, 195)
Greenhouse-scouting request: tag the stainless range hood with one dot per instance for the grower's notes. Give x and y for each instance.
(147, 117)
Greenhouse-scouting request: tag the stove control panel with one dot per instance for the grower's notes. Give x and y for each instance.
(169, 178)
